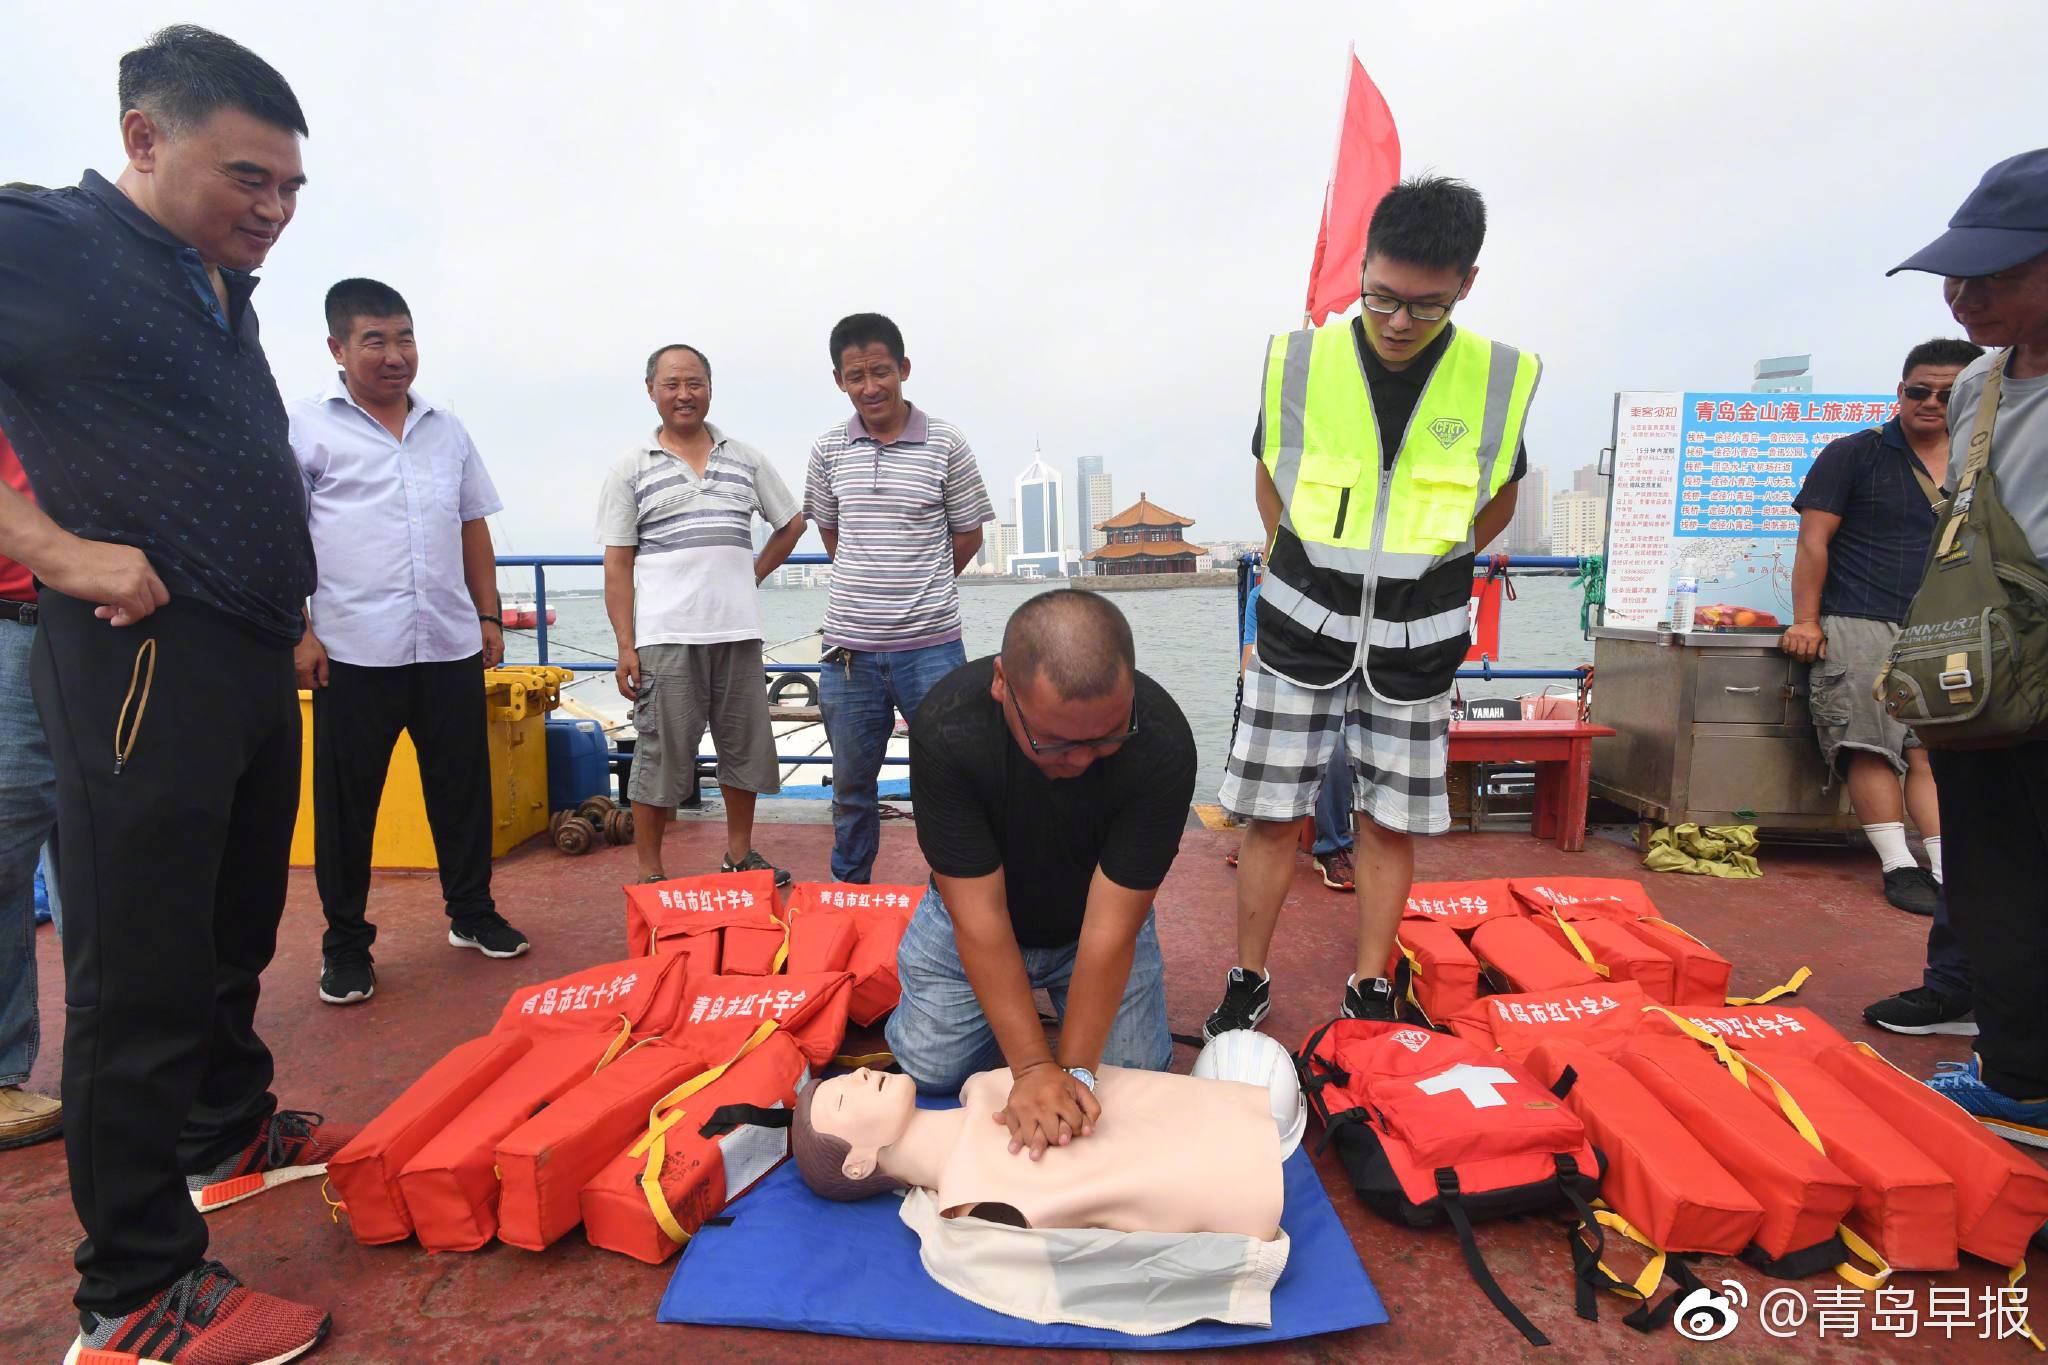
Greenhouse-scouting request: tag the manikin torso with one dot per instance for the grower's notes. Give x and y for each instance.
(1169, 1154)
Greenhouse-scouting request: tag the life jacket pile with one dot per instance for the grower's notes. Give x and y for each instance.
(1748, 1130)
(638, 1097)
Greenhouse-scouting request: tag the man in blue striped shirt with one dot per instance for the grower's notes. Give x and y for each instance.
(900, 504)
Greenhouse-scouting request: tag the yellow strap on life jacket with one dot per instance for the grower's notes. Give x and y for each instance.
(1855, 1274)
(1791, 987)
(666, 1113)
(618, 1047)
(1579, 945)
(1644, 1286)
(1666, 924)
(782, 953)
(2012, 1281)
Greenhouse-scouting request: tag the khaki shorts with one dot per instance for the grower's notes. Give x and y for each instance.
(685, 689)
(1845, 715)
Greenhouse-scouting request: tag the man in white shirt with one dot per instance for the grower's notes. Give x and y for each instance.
(676, 519)
(403, 623)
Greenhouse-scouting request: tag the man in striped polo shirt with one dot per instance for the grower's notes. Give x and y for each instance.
(680, 574)
(900, 504)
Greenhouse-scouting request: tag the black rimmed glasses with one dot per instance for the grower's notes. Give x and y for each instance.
(1052, 748)
(1920, 393)
(1386, 305)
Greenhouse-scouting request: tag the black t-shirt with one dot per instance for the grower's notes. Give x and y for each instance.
(982, 804)
(1394, 396)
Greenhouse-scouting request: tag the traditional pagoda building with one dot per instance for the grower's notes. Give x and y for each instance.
(1144, 538)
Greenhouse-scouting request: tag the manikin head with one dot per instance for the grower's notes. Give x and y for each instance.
(841, 1127)
(1067, 680)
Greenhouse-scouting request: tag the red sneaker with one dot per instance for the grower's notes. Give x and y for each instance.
(1337, 870)
(291, 1145)
(205, 1317)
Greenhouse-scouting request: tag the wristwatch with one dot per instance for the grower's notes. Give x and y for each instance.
(494, 620)
(1084, 1076)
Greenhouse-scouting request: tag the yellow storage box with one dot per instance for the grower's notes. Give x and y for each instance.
(517, 699)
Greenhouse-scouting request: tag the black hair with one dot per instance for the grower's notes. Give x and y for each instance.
(1941, 351)
(865, 329)
(661, 351)
(1077, 640)
(1431, 221)
(184, 73)
(360, 298)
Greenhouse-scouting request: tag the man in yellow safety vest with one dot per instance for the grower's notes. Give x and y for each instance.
(1388, 448)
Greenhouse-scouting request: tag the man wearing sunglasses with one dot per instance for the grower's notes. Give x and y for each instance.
(1866, 514)
(1050, 784)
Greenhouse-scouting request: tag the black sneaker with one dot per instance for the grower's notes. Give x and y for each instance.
(348, 979)
(489, 935)
(1372, 999)
(753, 862)
(1912, 889)
(1921, 1010)
(1246, 998)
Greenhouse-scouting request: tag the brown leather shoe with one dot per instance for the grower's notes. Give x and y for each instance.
(27, 1118)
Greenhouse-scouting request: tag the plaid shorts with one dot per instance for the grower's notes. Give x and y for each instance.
(1285, 735)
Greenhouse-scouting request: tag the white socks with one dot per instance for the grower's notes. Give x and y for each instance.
(1934, 856)
(1890, 842)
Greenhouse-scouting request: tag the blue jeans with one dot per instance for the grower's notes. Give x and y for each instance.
(859, 699)
(1333, 805)
(941, 1037)
(28, 809)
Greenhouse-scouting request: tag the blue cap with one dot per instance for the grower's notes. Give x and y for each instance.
(2003, 223)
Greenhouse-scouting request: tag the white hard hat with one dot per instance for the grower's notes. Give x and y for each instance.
(1255, 1059)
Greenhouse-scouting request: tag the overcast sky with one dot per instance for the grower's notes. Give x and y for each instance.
(1087, 218)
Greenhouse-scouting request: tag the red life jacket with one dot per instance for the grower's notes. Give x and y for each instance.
(1613, 897)
(683, 909)
(1431, 1129)
(1614, 951)
(820, 940)
(880, 915)
(721, 1012)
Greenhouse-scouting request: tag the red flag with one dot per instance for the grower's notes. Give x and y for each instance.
(1368, 163)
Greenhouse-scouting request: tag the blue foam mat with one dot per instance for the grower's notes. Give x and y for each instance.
(792, 1261)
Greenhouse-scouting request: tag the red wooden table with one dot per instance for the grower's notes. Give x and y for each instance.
(1561, 751)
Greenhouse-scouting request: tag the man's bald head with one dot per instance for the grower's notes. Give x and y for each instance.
(1077, 641)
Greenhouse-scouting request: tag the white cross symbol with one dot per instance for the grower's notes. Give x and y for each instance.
(1475, 1082)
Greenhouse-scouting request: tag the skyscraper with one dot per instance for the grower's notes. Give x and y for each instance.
(1578, 524)
(1528, 532)
(1091, 502)
(1588, 479)
(1039, 539)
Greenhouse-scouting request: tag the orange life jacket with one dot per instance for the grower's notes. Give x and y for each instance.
(1614, 951)
(1434, 969)
(544, 1163)
(686, 908)
(721, 1012)
(1658, 1176)
(880, 915)
(1614, 897)
(643, 994)
(1463, 906)
(365, 1172)
(704, 1165)
(1601, 1016)
(1523, 958)
(820, 941)
(1699, 974)
(449, 1185)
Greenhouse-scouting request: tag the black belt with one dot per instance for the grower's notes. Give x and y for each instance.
(24, 612)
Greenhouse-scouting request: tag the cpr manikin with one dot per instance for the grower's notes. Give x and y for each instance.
(1167, 1213)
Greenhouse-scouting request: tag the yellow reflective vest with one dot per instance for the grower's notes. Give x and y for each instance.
(1372, 566)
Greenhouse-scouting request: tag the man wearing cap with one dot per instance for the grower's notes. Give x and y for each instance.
(1994, 802)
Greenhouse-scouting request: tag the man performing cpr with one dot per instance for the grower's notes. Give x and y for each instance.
(1050, 785)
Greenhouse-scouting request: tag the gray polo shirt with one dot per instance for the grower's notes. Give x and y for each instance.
(2019, 445)
(693, 570)
(896, 508)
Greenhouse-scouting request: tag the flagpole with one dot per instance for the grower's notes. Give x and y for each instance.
(1330, 186)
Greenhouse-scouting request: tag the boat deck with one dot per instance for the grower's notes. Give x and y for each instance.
(1815, 907)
